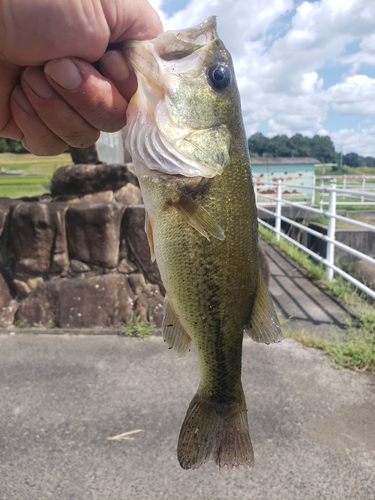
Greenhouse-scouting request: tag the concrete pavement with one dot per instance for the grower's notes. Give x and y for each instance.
(62, 396)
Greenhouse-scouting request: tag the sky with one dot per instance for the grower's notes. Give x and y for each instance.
(302, 66)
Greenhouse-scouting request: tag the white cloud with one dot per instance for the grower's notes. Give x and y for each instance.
(368, 44)
(280, 46)
(352, 141)
(356, 95)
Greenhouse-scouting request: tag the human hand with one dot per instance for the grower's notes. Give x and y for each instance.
(51, 95)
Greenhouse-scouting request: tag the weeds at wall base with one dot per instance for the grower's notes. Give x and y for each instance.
(136, 327)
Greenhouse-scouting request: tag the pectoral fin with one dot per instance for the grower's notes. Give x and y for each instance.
(198, 217)
(150, 236)
(173, 333)
(264, 325)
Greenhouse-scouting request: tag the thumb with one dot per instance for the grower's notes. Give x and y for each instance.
(131, 20)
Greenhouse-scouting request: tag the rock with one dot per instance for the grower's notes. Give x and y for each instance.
(151, 291)
(102, 197)
(155, 304)
(76, 266)
(43, 198)
(7, 313)
(5, 293)
(97, 301)
(136, 239)
(141, 308)
(93, 232)
(102, 270)
(125, 266)
(137, 282)
(22, 289)
(85, 155)
(82, 178)
(60, 256)
(71, 199)
(5, 206)
(156, 311)
(37, 239)
(129, 195)
(35, 282)
(41, 306)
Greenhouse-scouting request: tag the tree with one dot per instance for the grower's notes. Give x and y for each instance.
(319, 147)
(370, 161)
(280, 144)
(323, 149)
(11, 146)
(352, 160)
(258, 144)
(300, 145)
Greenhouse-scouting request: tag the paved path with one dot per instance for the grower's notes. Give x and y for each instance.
(62, 396)
(306, 307)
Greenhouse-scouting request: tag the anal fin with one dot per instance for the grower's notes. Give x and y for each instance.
(173, 333)
(264, 325)
(198, 217)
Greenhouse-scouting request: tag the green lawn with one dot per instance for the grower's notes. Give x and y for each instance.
(37, 172)
(345, 170)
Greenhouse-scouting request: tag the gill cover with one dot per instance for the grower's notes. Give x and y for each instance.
(177, 120)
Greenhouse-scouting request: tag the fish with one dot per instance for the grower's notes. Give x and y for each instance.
(187, 140)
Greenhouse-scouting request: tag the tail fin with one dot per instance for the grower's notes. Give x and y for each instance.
(215, 431)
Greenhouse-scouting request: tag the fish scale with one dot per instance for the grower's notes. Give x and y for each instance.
(202, 227)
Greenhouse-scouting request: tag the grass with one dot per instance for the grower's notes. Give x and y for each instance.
(34, 164)
(36, 176)
(357, 350)
(136, 327)
(322, 219)
(332, 171)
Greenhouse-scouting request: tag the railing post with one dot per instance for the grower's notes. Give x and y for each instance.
(331, 230)
(313, 191)
(344, 185)
(321, 194)
(278, 211)
(363, 187)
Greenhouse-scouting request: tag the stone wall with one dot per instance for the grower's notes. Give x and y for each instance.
(78, 258)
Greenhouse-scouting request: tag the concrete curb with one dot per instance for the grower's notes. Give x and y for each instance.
(14, 330)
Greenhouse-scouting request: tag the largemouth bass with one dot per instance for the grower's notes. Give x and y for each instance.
(186, 136)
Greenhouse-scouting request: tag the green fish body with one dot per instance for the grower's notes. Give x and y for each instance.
(187, 140)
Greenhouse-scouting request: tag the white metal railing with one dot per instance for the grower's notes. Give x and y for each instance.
(277, 201)
(351, 183)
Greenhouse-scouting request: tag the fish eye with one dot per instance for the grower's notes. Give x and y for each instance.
(220, 76)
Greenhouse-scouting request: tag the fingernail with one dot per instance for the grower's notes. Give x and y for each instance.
(115, 65)
(64, 72)
(36, 80)
(22, 101)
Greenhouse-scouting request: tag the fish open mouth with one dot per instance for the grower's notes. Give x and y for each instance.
(161, 134)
